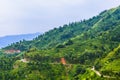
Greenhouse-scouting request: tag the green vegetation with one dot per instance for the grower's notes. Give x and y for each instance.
(91, 49)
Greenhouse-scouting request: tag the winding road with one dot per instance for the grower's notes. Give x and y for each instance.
(99, 74)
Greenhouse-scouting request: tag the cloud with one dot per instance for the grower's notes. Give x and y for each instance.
(27, 16)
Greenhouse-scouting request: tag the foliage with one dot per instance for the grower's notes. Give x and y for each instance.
(94, 42)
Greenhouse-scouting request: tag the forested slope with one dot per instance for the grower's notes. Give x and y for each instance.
(88, 47)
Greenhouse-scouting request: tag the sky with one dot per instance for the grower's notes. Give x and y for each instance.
(30, 16)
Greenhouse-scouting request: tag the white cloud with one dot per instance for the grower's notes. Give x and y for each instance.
(25, 16)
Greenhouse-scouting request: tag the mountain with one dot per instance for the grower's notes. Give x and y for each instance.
(93, 26)
(57, 36)
(7, 40)
(85, 50)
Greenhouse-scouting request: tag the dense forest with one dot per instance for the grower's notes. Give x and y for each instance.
(85, 50)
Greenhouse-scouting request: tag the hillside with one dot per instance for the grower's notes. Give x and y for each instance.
(7, 40)
(97, 24)
(86, 50)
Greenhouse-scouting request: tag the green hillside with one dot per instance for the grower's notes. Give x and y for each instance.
(106, 21)
(56, 36)
(90, 49)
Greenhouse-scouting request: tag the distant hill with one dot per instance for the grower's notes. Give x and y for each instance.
(7, 40)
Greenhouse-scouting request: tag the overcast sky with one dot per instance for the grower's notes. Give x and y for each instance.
(30, 16)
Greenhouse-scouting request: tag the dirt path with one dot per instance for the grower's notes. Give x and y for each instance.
(24, 60)
(99, 74)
